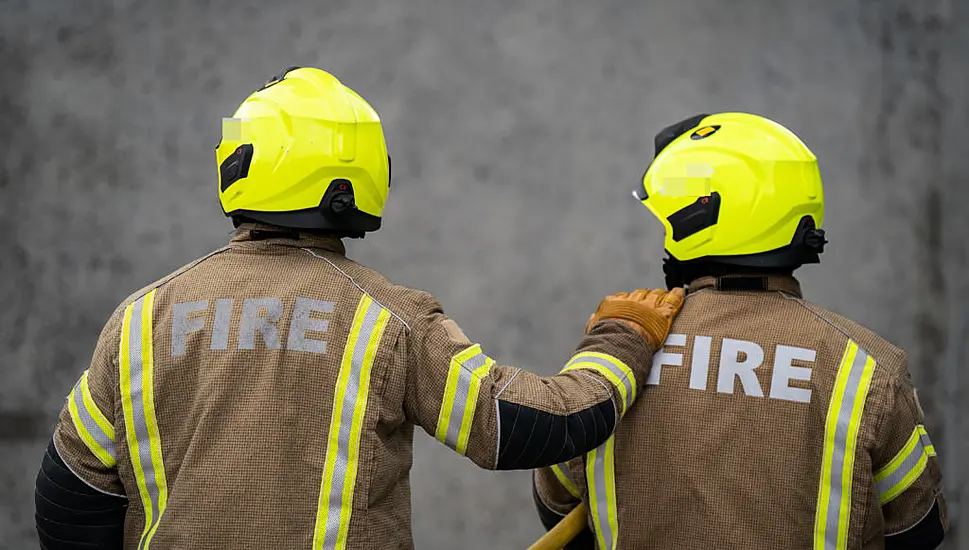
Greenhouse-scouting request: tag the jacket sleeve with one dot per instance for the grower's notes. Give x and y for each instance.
(82, 453)
(506, 418)
(557, 490)
(906, 469)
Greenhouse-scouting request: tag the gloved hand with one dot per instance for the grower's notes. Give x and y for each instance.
(650, 312)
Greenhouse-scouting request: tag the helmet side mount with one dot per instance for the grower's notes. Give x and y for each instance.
(338, 201)
(689, 220)
(235, 166)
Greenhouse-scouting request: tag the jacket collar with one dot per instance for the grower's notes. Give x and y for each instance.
(252, 232)
(783, 283)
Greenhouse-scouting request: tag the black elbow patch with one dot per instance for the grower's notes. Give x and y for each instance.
(926, 535)
(531, 438)
(71, 514)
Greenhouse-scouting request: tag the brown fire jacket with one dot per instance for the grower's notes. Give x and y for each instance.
(264, 396)
(767, 422)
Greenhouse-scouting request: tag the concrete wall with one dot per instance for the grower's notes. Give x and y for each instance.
(517, 131)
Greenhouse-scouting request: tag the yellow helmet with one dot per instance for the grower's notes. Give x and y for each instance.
(736, 189)
(304, 152)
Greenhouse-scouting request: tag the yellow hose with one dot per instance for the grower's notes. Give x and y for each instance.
(566, 530)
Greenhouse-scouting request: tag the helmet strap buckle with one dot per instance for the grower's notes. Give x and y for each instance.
(338, 201)
(814, 240)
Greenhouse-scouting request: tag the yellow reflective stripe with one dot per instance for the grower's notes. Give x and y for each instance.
(896, 461)
(341, 463)
(92, 408)
(909, 478)
(466, 370)
(614, 370)
(830, 428)
(356, 428)
(136, 360)
(849, 462)
(905, 467)
(124, 359)
(91, 424)
(329, 463)
(450, 390)
(601, 477)
(471, 403)
(563, 474)
(594, 496)
(840, 441)
(613, 379)
(151, 421)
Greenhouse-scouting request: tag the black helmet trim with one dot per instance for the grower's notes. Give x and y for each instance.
(355, 225)
(337, 212)
(805, 248)
(673, 131)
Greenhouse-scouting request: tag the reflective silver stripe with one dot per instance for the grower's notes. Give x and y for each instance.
(620, 375)
(86, 418)
(140, 420)
(905, 468)
(466, 377)
(351, 393)
(602, 505)
(841, 443)
(841, 433)
(599, 470)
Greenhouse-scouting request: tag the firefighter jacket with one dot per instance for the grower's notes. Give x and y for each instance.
(265, 395)
(766, 422)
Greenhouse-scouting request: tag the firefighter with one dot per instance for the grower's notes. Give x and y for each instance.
(264, 396)
(767, 421)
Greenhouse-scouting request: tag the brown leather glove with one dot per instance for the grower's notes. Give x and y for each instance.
(650, 312)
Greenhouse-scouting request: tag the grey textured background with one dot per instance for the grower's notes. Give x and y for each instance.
(517, 131)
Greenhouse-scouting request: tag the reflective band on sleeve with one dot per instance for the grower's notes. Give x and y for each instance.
(840, 439)
(564, 475)
(138, 402)
(618, 374)
(461, 397)
(346, 424)
(601, 477)
(93, 427)
(905, 467)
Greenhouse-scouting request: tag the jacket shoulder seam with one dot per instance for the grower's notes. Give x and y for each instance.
(169, 278)
(359, 287)
(837, 326)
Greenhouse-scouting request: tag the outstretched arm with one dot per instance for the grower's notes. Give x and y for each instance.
(506, 418)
